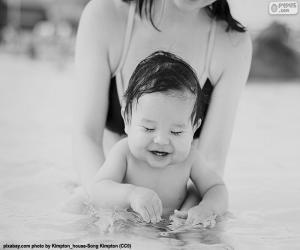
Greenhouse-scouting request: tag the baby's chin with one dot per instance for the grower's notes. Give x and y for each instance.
(158, 166)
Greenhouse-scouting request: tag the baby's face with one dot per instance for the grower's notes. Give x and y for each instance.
(160, 131)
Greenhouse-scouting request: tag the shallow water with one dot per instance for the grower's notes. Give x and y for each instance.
(36, 177)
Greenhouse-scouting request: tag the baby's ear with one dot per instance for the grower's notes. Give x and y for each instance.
(124, 119)
(197, 125)
(123, 110)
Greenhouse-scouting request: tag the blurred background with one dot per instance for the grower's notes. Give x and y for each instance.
(40, 29)
(37, 41)
(46, 30)
(36, 73)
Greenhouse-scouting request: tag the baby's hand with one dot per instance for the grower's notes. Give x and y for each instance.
(202, 215)
(147, 203)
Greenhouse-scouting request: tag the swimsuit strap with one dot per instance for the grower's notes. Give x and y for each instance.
(209, 52)
(129, 29)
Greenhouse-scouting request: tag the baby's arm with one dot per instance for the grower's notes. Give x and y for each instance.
(107, 189)
(213, 192)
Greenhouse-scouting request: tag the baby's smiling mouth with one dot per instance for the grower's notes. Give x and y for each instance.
(159, 153)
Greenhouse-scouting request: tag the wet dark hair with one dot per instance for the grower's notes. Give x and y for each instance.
(219, 9)
(164, 72)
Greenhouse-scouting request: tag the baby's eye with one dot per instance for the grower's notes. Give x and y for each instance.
(176, 132)
(148, 129)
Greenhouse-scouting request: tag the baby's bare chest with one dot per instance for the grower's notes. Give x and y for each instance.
(169, 183)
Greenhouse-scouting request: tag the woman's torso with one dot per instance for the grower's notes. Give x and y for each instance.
(190, 40)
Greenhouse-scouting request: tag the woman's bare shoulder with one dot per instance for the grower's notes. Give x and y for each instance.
(232, 49)
(110, 14)
(112, 9)
(103, 26)
(233, 43)
(232, 39)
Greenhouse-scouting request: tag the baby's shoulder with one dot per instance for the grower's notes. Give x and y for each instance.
(193, 158)
(122, 145)
(120, 148)
(192, 155)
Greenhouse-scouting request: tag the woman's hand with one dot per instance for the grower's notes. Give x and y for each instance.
(147, 203)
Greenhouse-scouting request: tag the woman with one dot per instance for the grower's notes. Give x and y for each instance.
(114, 36)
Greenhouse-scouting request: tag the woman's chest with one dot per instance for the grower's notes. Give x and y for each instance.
(189, 44)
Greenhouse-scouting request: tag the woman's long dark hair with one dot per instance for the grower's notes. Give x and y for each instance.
(218, 9)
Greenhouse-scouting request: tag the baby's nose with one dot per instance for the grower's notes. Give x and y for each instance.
(161, 139)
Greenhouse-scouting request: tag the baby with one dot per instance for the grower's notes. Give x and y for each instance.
(148, 171)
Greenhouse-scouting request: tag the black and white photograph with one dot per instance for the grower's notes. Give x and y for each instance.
(150, 124)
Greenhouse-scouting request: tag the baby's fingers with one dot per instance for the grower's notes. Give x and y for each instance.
(190, 220)
(181, 214)
(158, 208)
(194, 219)
(144, 213)
(157, 211)
(156, 214)
(152, 214)
(205, 222)
(210, 221)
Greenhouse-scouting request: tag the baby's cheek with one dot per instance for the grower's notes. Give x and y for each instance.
(183, 149)
(138, 141)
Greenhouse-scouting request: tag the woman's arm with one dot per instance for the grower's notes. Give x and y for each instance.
(98, 35)
(229, 69)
